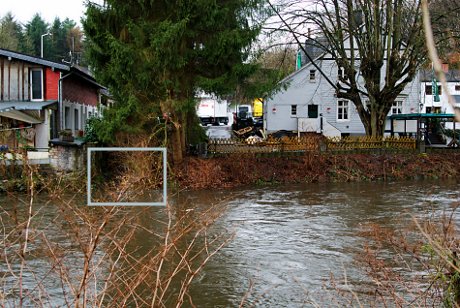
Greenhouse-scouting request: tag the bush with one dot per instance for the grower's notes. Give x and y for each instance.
(91, 128)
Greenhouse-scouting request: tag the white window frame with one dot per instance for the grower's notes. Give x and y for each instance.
(76, 118)
(342, 105)
(341, 73)
(32, 84)
(67, 118)
(294, 110)
(397, 107)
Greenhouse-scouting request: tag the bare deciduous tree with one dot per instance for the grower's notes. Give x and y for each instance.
(379, 45)
(446, 29)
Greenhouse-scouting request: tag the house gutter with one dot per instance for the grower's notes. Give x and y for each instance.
(60, 102)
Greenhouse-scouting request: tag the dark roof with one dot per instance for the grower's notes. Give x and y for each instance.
(84, 74)
(81, 71)
(451, 75)
(315, 47)
(33, 59)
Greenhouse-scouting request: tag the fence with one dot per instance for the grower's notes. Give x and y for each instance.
(371, 143)
(311, 144)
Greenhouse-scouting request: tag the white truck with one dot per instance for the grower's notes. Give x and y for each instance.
(212, 110)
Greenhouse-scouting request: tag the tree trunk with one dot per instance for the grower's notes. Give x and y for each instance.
(175, 139)
(176, 144)
(375, 126)
(183, 140)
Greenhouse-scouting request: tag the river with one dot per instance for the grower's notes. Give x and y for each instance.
(288, 239)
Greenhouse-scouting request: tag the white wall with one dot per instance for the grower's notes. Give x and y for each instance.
(301, 91)
(42, 131)
(84, 112)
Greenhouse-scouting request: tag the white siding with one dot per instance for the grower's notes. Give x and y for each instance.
(301, 91)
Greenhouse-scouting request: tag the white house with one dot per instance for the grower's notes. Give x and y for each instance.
(309, 103)
(428, 102)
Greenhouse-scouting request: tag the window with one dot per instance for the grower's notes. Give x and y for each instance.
(293, 110)
(429, 90)
(84, 115)
(457, 87)
(342, 110)
(67, 117)
(75, 120)
(312, 111)
(396, 108)
(341, 74)
(36, 84)
(312, 75)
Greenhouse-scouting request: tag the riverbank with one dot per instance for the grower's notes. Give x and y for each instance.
(234, 171)
(243, 170)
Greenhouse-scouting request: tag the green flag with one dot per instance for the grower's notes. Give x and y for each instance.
(299, 60)
(434, 84)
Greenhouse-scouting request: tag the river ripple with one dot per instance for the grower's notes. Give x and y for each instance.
(288, 239)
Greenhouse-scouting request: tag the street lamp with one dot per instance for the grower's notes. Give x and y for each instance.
(41, 43)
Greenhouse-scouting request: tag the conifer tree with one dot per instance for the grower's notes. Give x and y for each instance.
(10, 33)
(155, 55)
(34, 29)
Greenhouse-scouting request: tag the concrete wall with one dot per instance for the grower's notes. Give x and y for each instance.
(67, 157)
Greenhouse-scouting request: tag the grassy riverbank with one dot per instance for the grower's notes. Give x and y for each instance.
(234, 171)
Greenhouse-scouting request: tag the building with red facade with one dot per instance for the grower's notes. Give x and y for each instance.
(39, 98)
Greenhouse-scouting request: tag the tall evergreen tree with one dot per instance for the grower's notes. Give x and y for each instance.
(34, 30)
(66, 38)
(154, 55)
(10, 33)
(58, 40)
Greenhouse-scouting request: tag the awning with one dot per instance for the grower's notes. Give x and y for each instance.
(19, 115)
(28, 105)
(415, 116)
(15, 110)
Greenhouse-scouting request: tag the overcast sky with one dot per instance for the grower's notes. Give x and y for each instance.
(23, 10)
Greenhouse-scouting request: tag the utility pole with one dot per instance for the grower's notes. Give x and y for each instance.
(41, 43)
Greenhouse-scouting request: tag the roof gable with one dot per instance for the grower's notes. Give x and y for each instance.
(33, 59)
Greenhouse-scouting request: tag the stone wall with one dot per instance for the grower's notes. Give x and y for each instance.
(67, 156)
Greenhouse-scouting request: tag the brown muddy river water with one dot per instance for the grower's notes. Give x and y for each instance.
(288, 239)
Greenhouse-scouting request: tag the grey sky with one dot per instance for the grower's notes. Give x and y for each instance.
(23, 10)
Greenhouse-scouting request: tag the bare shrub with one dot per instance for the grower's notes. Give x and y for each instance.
(75, 255)
(415, 266)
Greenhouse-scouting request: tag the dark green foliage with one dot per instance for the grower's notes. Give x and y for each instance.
(27, 39)
(65, 36)
(11, 36)
(34, 29)
(91, 128)
(154, 55)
